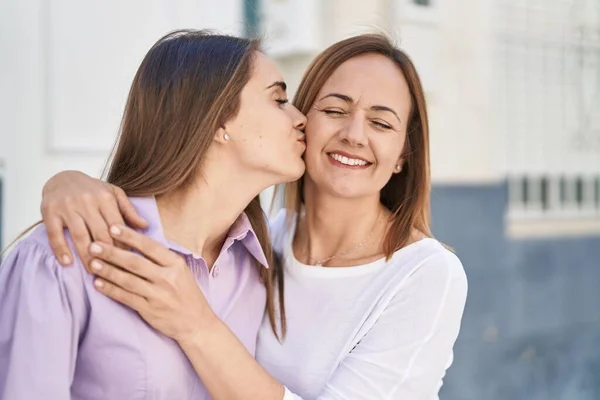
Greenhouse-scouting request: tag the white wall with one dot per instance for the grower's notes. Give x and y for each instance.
(451, 45)
(65, 72)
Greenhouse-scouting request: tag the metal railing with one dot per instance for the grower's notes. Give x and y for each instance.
(554, 197)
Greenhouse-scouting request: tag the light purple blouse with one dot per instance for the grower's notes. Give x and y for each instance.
(62, 339)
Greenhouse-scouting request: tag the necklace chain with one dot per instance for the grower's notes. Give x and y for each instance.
(319, 263)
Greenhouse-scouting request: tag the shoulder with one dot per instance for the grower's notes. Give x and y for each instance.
(36, 289)
(32, 256)
(430, 264)
(438, 258)
(427, 285)
(35, 241)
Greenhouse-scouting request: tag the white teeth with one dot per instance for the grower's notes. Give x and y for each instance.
(347, 161)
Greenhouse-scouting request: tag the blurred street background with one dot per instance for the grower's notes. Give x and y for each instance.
(513, 90)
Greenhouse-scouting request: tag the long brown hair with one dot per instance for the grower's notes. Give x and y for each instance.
(186, 88)
(406, 194)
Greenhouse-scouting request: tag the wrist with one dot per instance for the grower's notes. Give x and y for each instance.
(204, 327)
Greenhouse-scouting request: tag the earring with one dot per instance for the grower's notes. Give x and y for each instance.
(226, 136)
(398, 167)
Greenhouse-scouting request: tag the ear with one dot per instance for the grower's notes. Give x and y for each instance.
(399, 165)
(222, 136)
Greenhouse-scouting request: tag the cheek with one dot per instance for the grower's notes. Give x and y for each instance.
(246, 125)
(318, 132)
(265, 119)
(275, 136)
(387, 152)
(314, 151)
(278, 125)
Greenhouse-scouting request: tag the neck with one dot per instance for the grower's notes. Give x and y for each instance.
(199, 217)
(332, 225)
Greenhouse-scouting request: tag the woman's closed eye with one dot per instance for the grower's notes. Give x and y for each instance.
(381, 124)
(333, 111)
(282, 102)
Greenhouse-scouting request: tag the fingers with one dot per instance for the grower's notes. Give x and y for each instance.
(126, 260)
(83, 205)
(58, 241)
(145, 245)
(81, 238)
(109, 208)
(123, 279)
(97, 225)
(116, 293)
(128, 210)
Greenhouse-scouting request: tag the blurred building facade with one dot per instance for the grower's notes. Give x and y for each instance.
(512, 87)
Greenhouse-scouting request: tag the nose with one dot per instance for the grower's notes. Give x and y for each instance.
(299, 119)
(354, 132)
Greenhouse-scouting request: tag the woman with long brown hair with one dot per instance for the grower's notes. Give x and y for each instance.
(373, 303)
(206, 128)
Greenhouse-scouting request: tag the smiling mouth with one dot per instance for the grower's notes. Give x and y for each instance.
(347, 162)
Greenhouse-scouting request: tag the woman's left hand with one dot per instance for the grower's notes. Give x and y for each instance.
(158, 284)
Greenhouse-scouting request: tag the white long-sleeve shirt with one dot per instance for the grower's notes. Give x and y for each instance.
(383, 330)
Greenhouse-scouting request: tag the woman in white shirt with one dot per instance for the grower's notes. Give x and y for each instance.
(373, 303)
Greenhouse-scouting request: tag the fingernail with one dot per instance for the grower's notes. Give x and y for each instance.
(66, 260)
(115, 230)
(98, 283)
(95, 248)
(96, 265)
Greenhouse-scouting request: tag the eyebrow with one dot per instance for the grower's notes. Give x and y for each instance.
(280, 84)
(349, 99)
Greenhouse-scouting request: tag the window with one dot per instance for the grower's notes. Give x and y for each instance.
(532, 196)
(547, 91)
